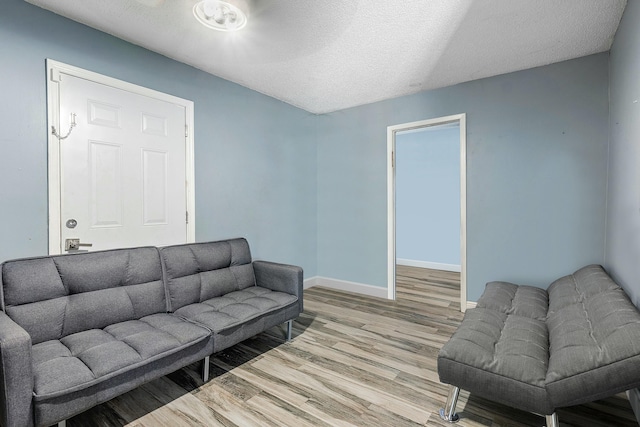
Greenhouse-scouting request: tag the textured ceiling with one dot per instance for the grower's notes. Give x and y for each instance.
(327, 55)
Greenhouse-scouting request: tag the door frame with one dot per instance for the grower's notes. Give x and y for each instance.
(55, 72)
(461, 119)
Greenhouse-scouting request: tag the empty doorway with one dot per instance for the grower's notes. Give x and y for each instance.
(428, 228)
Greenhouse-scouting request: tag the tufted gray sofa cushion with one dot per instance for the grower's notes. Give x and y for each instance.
(594, 334)
(83, 359)
(235, 308)
(52, 297)
(200, 271)
(538, 350)
(500, 349)
(214, 285)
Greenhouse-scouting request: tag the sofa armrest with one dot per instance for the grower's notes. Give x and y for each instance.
(16, 375)
(279, 277)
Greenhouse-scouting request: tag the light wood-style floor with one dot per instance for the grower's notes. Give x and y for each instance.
(354, 361)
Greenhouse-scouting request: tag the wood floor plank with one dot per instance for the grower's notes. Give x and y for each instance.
(374, 395)
(354, 361)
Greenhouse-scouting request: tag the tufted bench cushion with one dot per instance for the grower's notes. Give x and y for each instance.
(500, 349)
(594, 332)
(538, 350)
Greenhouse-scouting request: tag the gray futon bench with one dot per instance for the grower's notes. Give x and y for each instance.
(538, 350)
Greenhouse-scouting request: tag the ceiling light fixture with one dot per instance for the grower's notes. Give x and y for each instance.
(227, 15)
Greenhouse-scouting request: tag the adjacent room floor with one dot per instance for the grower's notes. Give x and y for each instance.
(354, 361)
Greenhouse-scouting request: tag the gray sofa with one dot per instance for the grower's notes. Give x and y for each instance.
(77, 330)
(538, 350)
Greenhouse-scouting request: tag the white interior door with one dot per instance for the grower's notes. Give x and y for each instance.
(122, 168)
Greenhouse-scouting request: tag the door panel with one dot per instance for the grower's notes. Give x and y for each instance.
(105, 185)
(154, 170)
(122, 167)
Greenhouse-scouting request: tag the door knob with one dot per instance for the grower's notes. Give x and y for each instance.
(74, 244)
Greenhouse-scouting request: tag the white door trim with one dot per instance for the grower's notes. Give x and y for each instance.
(55, 72)
(391, 199)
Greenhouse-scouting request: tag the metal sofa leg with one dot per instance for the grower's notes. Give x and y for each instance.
(289, 328)
(205, 369)
(552, 420)
(448, 413)
(62, 423)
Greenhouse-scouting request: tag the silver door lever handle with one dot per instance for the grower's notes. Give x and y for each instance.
(74, 244)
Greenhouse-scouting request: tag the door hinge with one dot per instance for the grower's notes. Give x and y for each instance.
(187, 217)
(186, 131)
(393, 159)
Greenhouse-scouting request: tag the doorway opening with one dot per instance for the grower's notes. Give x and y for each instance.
(458, 123)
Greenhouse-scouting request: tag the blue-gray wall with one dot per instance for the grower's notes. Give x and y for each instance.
(622, 252)
(311, 190)
(623, 199)
(255, 156)
(428, 195)
(536, 175)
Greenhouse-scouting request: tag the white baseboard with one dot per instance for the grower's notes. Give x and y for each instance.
(634, 400)
(426, 264)
(310, 282)
(358, 288)
(344, 285)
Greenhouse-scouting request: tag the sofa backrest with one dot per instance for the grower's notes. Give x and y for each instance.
(591, 322)
(201, 271)
(52, 297)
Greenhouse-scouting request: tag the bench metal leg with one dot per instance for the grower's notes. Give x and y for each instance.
(448, 413)
(205, 369)
(62, 423)
(289, 328)
(552, 420)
